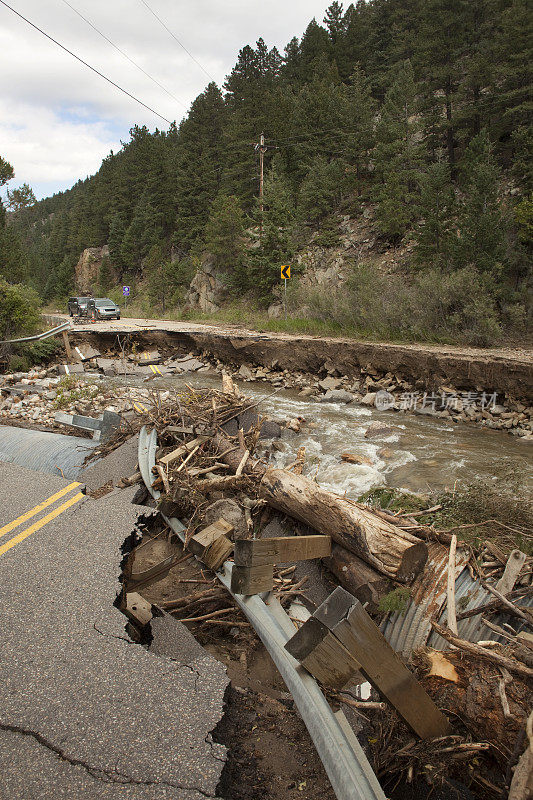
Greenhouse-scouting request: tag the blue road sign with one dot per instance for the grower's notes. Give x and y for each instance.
(126, 291)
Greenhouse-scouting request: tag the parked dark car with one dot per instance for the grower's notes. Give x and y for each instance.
(106, 308)
(78, 306)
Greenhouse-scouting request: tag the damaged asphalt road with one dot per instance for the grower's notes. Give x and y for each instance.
(85, 712)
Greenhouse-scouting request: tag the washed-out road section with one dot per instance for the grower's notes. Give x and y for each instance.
(85, 713)
(504, 370)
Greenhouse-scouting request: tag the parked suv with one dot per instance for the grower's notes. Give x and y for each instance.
(78, 306)
(106, 308)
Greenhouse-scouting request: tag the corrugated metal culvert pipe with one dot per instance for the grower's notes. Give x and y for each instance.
(41, 451)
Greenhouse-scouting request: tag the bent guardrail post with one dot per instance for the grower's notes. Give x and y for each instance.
(101, 427)
(345, 762)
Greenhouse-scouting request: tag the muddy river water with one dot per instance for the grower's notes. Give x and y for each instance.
(422, 454)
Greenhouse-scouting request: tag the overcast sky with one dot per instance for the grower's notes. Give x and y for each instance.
(58, 119)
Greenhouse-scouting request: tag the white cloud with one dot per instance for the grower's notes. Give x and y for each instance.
(58, 119)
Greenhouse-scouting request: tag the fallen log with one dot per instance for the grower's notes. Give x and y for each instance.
(357, 577)
(233, 455)
(393, 552)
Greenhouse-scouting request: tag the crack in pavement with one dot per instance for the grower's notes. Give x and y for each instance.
(98, 773)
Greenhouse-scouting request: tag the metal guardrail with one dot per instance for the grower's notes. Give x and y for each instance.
(345, 762)
(52, 332)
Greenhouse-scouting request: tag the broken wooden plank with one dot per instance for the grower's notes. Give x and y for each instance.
(331, 663)
(252, 580)
(182, 450)
(512, 570)
(152, 574)
(136, 608)
(252, 552)
(346, 618)
(201, 541)
(217, 552)
(321, 653)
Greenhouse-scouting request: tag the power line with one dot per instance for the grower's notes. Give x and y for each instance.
(177, 40)
(122, 53)
(85, 64)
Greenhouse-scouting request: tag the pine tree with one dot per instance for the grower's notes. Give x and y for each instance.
(397, 157)
(224, 239)
(321, 190)
(482, 221)
(198, 166)
(439, 58)
(314, 43)
(276, 242)
(434, 235)
(360, 112)
(23, 197)
(7, 172)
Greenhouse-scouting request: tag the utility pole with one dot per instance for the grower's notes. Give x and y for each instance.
(260, 147)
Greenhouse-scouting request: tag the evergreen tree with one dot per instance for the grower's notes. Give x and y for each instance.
(482, 221)
(360, 111)
(397, 157)
(314, 44)
(198, 166)
(442, 40)
(224, 239)
(105, 276)
(7, 172)
(23, 197)
(276, 239)
(321, 190)
(434, 235)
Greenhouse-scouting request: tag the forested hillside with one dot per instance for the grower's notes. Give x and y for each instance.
(418, 110)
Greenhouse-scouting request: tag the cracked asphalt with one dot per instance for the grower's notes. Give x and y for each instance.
(84, 712)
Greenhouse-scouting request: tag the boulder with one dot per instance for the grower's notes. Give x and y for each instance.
(329, 383)
(275, 310)
(378, 429)
(368, 399)
(353, 458)
(245, 372)
(336, 396)
(231, 512)
(307, 391)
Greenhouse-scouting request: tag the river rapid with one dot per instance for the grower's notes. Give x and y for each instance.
(422, 454)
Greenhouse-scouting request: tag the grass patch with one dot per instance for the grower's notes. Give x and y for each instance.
(70, 391)
(395, 601)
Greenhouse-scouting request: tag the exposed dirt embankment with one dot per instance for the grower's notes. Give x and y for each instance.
(507, 372)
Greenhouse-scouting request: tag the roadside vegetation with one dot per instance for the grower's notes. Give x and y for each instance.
(496, 510)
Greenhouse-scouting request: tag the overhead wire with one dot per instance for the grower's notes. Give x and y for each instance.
(85, 63)
(125, 55)
(158, 18)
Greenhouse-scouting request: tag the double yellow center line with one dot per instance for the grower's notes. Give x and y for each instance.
(16, 523)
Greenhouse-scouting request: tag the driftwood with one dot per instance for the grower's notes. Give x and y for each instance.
(391, 551)
(232, 455)
(357, 577)
(478, 650)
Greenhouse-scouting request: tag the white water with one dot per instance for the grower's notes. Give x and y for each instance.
(423, 454)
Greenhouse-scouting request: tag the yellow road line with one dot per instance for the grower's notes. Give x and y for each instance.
(155, 370)
(40, 523)
(32, 512)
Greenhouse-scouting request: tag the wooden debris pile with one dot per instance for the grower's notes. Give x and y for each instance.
(208, 443)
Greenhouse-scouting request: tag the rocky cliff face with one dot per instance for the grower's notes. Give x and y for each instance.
(206, 292)
(88, 267)
(317, 266)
